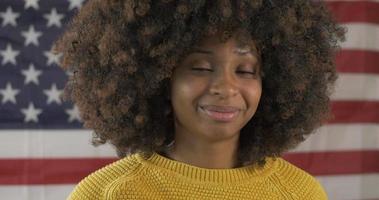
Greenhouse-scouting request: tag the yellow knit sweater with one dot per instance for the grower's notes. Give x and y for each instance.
(138, 176)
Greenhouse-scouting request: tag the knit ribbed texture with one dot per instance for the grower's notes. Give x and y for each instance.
(139, 176)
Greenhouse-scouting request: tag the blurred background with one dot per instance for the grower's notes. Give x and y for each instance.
(44, 151)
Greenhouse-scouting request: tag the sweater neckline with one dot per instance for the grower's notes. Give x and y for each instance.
(209, 175)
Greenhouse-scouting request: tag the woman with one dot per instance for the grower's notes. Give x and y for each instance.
(200, 98)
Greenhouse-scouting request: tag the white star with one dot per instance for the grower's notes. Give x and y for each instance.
(9, 94)
(73, 114)
(31, 75)
(52, 57)
(9, 17)
(69, 73)
(9, 55)
(75, 4)
(31, 3)
(53, 94)
(31, 113)
(53, 18)
(31, 36)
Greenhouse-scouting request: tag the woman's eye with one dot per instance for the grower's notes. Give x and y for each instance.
(201, 69)
(247, 72)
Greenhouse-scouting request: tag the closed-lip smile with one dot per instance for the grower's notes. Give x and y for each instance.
(220, 113)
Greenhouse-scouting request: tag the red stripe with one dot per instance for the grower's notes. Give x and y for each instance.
(357, 61)
(336, 163)
(71, 171)
(355, 112)
(355, 11)
(48, 171)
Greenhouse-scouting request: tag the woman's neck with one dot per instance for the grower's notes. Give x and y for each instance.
(211, 161)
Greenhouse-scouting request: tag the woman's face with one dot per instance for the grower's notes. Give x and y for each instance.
(216, 89)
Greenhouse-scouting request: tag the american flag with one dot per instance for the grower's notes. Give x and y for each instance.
(44, 152)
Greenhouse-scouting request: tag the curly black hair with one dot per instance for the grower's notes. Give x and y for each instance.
(122, 54)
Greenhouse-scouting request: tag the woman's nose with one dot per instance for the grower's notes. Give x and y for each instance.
(223, 85)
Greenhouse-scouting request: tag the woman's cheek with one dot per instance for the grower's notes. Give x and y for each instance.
(195, 82)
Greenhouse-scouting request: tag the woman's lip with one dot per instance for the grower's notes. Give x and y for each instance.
(222, 109)
(220, 116)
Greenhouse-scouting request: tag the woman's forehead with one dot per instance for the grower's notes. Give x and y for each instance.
(235, 43)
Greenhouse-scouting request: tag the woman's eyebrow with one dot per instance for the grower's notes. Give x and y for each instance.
(239, 51)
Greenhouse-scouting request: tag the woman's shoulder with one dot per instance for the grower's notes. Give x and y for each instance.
(299, 182)
(94, 185)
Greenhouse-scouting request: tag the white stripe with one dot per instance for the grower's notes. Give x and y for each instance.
(50, 143)
(34, 192)
(355, 86)
(339, 137)
(361, 36)
(75, 143)
(361, 186)
(348, 187)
